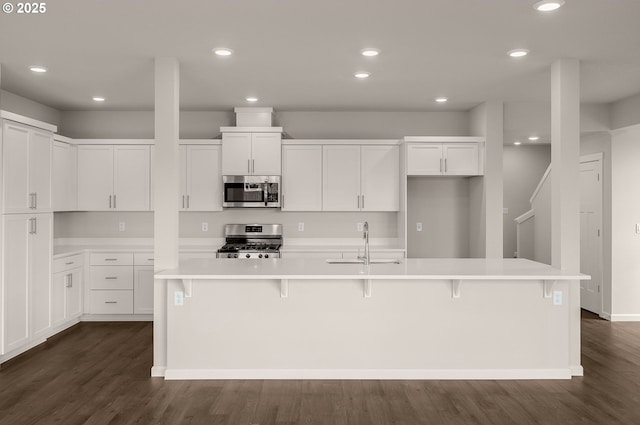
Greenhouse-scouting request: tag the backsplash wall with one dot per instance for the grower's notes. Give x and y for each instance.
(140, 224)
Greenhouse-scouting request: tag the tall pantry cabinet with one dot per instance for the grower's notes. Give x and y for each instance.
(26, 233)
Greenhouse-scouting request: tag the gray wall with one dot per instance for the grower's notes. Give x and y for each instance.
(523, 167)
(625, 112)
(296, 125)
(140, 224)
(441, 204)
(23, 106)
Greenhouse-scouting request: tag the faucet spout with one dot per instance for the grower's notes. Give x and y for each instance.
(365, 235)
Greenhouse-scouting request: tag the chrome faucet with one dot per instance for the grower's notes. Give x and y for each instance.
(366, 258)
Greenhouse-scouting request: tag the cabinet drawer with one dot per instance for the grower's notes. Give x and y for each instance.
(115, 277)
(143, 258)
(112, 259)
(68, 263)
(111, 302)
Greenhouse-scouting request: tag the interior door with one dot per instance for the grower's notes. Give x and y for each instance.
(591, 233)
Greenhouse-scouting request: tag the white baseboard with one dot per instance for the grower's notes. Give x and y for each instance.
(625, 317)
(117, 318)
(18, 351)
(605, 315)
(158, 371)
(379, 374)
(577, 370)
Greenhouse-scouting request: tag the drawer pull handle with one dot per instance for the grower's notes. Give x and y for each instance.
(111, 278)
(111, 302)
(110, 259)
(69, 263)
(149, 259)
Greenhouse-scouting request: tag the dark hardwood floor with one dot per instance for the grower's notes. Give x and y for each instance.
(98, 373)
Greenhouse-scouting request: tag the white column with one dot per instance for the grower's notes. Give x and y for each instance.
(565, 186)
(486, 192)
(165, 186)
(493, 180)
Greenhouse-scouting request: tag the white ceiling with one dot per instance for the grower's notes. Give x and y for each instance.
(301, 54)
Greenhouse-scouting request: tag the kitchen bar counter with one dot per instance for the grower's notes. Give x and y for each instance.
(420, 319)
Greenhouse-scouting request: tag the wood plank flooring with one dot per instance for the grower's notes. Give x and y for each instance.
(98, 374)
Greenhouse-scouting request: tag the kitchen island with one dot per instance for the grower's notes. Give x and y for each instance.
(417, 319)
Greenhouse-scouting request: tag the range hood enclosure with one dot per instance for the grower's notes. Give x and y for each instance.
(253, 117)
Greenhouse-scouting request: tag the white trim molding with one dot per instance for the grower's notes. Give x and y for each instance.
(382, 374)
(625, 317)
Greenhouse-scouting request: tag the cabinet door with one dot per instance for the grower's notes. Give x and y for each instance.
(58, 298)
(73, 297)
(266, 155)
(15, 168)
(461, 159)
(40, 145)
(236, 154)
(182, 169)
(15, 281)
(341, 178)
(380, 178)
(302, 178)
(131, 178)
(40, 252)
(143, 290)
(63, 177)
(424, 160)
(204, 180)
(95, 178)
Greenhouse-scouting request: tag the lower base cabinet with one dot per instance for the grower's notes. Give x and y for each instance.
(121, 283)
(66, 290)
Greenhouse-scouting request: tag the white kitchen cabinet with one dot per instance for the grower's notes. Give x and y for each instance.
(66, 290)
(26, 168)
(200, 178)
(341, 178)
(114, 177)
(256, 154)
(380, 178)
(64, 177)
(361, 178)
(143, 290)
(302, 178)
(26, 279)
(451, 159)
(121, 283)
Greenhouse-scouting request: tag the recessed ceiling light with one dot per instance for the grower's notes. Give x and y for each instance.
(38, 69)
(441, 99)
(548, 5)
(223, 51)
(98, 99)
(517, 143)
(370, 52)
(518, 53)
(362, 75)
(251, 99)
(534, 138)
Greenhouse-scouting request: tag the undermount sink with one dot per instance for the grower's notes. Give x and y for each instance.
(358, 261)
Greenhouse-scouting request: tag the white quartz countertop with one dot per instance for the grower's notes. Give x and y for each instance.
(423, 269)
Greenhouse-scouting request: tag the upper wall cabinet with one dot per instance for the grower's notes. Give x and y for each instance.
(302, 178)
(26, 168)
(64, 176)
(361, 178)
(256, 154)
(114, 177)
(457, 157)
(200, 178)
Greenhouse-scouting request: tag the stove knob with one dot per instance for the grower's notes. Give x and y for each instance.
(248, 255)
(266, 255)
(259, 255)
(235, 255)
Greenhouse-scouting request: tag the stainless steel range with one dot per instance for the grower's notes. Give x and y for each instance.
(251, 241)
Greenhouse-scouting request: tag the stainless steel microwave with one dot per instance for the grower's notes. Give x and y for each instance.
(251, 191)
